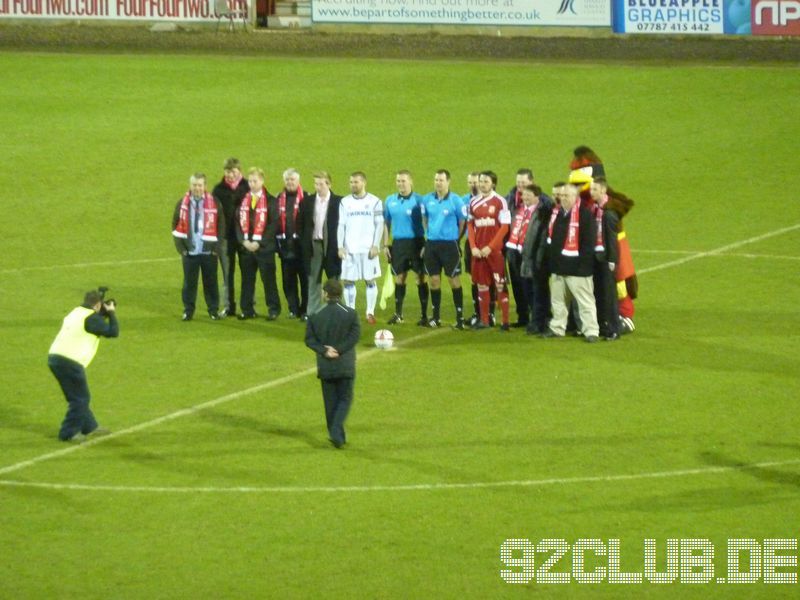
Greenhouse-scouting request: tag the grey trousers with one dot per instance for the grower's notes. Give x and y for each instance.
(315, 301)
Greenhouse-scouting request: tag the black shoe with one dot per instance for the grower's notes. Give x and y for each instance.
(591, 339)
(518, 324)
(505, 327)
(337, 444)
(423, 322)
(245, 316)
(434, 323)
(304, 317)
(611, 337)
(395, 319)
(472, 320)
(186, 316)
(292, 315)
(480, 325)
(492, 321)
(272, 316)
(214, 316)
(550, 334)
(459, 325)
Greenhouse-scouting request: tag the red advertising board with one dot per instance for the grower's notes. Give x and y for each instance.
(775, 17)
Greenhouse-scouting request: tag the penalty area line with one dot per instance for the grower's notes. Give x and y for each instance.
(190, 410)
(525, 483)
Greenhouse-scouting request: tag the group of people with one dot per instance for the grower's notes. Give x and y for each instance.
(565, 256)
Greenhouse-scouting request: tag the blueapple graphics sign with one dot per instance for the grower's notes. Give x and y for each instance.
(685, 17)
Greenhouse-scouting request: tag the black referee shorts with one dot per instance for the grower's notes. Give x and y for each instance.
(406, 255)
(442, 256)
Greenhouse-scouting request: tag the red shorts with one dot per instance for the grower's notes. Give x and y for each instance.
(489, 270)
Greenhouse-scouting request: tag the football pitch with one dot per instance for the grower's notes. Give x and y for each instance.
(218, 481)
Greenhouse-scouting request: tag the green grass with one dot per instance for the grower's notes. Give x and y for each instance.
(235, 500)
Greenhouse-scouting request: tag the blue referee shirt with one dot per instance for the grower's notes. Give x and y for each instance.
(444, 216)
(403, 216)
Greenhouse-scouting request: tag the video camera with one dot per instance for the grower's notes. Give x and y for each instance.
(103, 289)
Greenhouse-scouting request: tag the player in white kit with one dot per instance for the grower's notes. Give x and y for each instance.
(359, 235)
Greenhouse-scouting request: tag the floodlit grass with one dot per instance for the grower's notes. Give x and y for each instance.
(244, 498)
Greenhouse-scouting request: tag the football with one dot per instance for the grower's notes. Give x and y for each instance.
(384, 339)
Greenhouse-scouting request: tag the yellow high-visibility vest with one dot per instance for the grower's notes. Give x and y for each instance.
(73, 341)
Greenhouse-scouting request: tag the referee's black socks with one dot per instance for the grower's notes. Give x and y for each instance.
(422, 290)
(458, 300)
(436, 302)
(399, 296)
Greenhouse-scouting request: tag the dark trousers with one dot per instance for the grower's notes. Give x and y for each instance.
(514, 260)
(292, 274)
(249, 264)
(227, 260)
(605, 296)
(193, 265)
(537, 293)
(338, 397)
(71, 377)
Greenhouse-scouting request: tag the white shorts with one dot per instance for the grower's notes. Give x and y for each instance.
(356, 267)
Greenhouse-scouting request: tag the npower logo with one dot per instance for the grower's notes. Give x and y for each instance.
(776, 17)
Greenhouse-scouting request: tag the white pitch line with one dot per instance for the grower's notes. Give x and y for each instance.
(395, 488)
(188, 411)
(719, 250)
(724, 255)
(108, 263)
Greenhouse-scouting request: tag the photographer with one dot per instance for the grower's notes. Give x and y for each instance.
(70, 354)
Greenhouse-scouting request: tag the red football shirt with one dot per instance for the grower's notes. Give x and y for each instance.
(489, 219)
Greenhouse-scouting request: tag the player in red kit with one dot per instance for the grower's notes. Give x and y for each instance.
(488, 222)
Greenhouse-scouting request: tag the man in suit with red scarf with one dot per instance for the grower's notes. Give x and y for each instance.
(256, 225)
(230, 191)
(198, 224)
(571, 238)
(293, 275)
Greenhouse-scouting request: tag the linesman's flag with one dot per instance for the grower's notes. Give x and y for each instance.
(387, 289)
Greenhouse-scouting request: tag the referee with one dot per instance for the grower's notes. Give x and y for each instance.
(402, 216)
(445, 216)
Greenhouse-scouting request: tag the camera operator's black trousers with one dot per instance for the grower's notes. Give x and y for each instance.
(71, 377)
(338, 397)
(264, 264)
(193, 266)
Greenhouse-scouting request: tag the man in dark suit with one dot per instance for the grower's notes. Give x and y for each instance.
(332, 333)
(256, 226)
(230, 192)
(317, 223)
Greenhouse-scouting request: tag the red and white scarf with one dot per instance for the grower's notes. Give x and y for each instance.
(261, 215)
(519, 229)
(572, 242)
(210, 218)
(233, 184)
(599, 246)
(282, 211)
